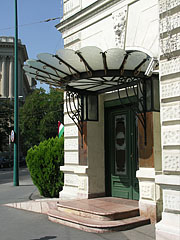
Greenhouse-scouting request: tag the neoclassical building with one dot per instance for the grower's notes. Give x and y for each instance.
(120, 72)
(7, 69)
(25, 85)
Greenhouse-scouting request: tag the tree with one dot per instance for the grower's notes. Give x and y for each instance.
(6, 122)
(39, 116)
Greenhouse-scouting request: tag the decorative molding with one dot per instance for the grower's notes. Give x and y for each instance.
(171, 89)
(85, 14)
(171, 161)
(119, 24)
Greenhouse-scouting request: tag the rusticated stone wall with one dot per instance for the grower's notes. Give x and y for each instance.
(169, 181)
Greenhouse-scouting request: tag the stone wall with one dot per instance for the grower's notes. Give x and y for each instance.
(169, 181)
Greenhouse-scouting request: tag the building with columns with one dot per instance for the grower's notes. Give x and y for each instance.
(25, 85)
(7, 69)
(125, 153)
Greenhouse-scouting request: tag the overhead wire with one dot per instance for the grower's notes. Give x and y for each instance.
(28, 24)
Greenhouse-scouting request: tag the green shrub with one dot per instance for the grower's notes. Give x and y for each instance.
(44, 163)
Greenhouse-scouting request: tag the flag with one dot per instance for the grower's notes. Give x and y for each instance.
(60, 129)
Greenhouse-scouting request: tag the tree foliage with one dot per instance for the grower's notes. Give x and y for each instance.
(6, 122)
(39, 116)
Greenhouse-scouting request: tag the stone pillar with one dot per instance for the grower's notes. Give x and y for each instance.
(11, 78)
(75, 175)
(169, 227)
(150, 202)
(83, 166)
(4, 78)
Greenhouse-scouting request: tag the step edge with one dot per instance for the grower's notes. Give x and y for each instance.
(95, 225)
(97, 213)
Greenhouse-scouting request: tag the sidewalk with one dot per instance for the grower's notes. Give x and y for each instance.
(25, 225)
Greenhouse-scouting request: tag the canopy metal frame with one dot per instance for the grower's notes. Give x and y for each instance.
(127, 85)
(91, 71)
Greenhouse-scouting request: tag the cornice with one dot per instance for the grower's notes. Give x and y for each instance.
(85, 14)
(21, 47)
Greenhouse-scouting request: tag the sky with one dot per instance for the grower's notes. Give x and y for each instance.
(38, 36)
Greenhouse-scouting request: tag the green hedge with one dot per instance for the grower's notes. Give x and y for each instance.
(43, 162)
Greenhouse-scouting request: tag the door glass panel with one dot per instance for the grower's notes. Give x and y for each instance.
(120, 145)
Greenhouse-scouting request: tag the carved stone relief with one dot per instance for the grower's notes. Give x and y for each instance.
(170, 44)
(119, 24)
(171, 136)
(172, 200)
(70, 179)
(170, 112)
(171, 161)
(165, 5)
(169, 23)
(147, 190)
(169, 90)
(170, 67)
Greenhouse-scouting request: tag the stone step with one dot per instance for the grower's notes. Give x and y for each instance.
(103, 209)
(94, 225)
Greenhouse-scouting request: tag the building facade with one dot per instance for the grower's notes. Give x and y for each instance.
(7, 69)
(114, 160)
(25, 85)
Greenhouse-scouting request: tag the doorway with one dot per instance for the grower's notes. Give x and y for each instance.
(121, 153)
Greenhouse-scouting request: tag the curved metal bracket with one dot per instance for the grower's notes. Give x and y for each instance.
(136, 87)
(75, 108)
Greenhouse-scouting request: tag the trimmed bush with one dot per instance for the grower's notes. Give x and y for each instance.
(43, 162)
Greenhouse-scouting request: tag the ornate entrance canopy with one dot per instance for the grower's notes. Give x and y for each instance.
(90, 71)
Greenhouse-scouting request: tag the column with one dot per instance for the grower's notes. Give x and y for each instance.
(11, 78)
(3, 80)
(169, 181)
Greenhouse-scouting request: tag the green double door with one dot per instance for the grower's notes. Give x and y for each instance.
(121, 153)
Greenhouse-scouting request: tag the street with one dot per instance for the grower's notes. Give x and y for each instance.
(6, 175)
(23, 225)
